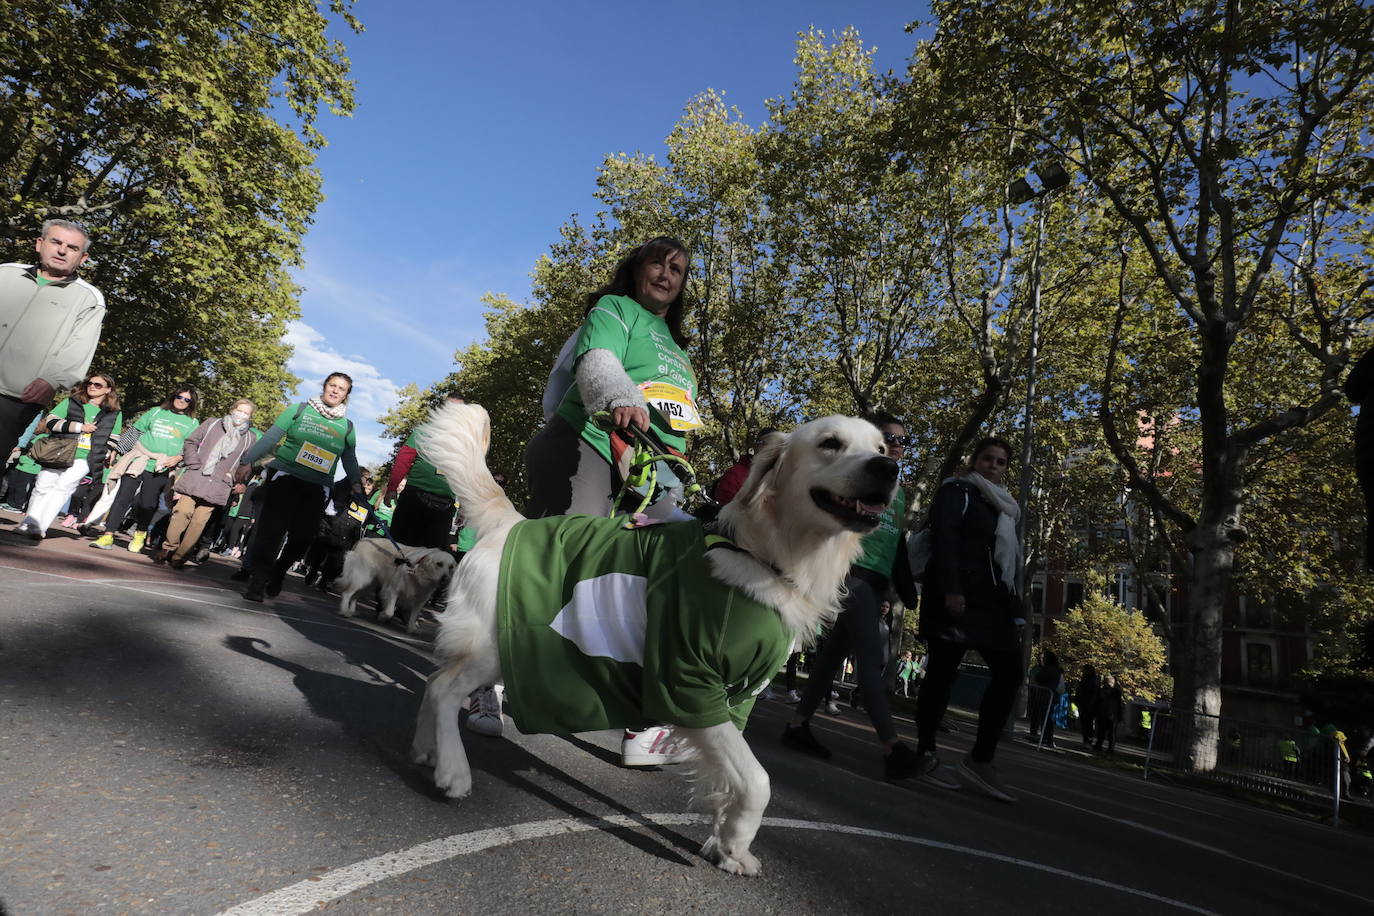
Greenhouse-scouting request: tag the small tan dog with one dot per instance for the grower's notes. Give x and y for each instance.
(375, 562)
(794, 529)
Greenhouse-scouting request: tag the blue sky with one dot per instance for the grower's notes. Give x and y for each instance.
(478, 132)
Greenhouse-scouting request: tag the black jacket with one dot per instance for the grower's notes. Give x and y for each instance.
(100, 439)
(963, 529)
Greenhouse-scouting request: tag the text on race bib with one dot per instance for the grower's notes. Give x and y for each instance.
(312, 456)
(84, 441)
(357, 511)
(674, 403)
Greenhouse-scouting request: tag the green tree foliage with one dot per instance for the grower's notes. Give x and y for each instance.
(1234, 147)
(1114, 640)
(182, 134)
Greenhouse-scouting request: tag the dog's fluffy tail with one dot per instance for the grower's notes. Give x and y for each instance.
(455, 441)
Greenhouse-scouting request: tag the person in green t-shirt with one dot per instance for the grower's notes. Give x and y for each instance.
(306, 444)
(91, 415)
(629, 360)
(144, 471)
(857, 630)
(19, 478)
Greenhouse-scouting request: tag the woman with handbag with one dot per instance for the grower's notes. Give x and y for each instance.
(143, 472)
(76, 439)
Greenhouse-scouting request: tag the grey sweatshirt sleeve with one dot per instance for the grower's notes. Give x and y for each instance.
(603, 384)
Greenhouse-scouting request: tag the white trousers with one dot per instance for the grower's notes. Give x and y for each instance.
(51, 491)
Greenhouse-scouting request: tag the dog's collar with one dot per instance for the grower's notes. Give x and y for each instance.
(715, 541)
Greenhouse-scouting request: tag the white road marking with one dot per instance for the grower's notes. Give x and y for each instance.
(306, 896)
(1215, 850)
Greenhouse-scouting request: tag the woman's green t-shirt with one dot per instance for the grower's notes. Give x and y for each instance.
(312, 445)
(164, 431)
(651, 358)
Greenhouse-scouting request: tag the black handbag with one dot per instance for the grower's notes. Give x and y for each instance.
(54, 452)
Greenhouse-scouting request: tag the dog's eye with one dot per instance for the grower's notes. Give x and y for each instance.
(832, 444)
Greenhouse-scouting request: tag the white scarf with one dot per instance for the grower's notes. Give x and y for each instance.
(227, 444)
(1006, 548)
(333, 413)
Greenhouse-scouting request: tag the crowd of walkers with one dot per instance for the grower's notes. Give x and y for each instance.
(184, 486)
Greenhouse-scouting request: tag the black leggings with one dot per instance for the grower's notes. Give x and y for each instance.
(942, 667)
(291, 511)
(855, 631)
(139, 493)
(85, 496)
(236, 532)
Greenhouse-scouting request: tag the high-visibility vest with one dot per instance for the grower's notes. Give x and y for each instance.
(1288, 748)
(1145, 719)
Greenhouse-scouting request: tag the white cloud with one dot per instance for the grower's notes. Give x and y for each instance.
(313, 359)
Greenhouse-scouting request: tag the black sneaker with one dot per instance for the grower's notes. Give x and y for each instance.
(901, 762)
(274, 585)
(240, 575)
(799, 738)
(254, 593)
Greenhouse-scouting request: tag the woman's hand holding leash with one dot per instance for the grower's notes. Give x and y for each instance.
(625, 417)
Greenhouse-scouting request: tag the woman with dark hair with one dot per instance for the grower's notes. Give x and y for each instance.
(306, 442)
(91, 415)
(970, 602)
(143, 472)
(627, 362)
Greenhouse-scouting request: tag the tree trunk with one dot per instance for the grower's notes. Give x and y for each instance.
(1208, 583)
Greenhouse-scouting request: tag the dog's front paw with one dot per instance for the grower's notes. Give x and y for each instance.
(345, 610)
(454, 785)
(424, 758)
(739, 862)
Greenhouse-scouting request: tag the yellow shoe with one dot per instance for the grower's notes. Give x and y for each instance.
(104, 542)
(136, 545)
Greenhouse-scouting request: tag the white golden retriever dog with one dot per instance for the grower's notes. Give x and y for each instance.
(375, 562)
(796, 527)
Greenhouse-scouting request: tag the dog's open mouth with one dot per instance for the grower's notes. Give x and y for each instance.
(858, 514)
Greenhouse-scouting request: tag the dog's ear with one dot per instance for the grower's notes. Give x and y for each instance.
(763, 470)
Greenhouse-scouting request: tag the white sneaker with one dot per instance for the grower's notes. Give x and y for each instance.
(484, 712)
(832, 707)
(652, 747)
(792, 697)
(768, 693)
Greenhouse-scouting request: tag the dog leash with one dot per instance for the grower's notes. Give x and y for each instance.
(373, 517)
(647, 452)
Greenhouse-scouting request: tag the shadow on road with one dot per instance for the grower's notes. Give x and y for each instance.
(379, 710)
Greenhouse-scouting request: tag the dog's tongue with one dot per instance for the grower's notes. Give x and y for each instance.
(870, 508)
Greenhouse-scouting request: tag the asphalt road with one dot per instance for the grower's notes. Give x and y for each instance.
(167, 747)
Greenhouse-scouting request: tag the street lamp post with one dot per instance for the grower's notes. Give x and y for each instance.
(1050, 178)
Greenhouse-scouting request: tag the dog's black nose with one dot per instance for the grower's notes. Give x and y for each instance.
(884, 470)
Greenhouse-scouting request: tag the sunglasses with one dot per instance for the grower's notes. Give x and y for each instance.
(96, 385)
(182, 397)
(903, 441)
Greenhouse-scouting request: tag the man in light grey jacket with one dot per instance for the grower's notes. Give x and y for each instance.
(50, 324)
